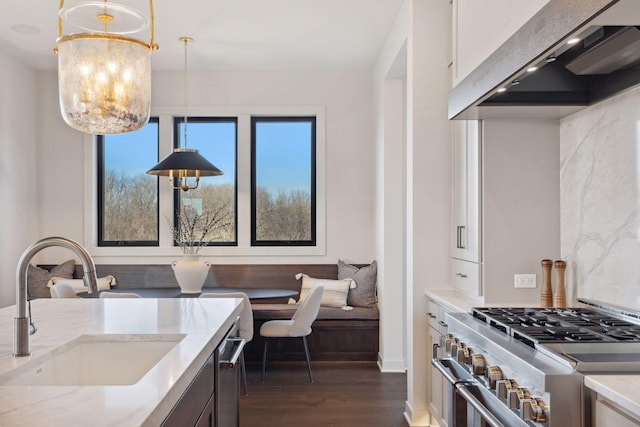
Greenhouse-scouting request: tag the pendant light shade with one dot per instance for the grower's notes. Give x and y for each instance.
(104, 78)
(185, 163)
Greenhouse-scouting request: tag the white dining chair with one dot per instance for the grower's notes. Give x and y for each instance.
(298, 327)
(107, 294)
(62, 290)
(245, 325)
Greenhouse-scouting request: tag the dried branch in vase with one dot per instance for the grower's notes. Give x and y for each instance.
(193, 230)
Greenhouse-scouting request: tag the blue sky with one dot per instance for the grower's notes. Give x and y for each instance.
(283, 152)
(283, 155)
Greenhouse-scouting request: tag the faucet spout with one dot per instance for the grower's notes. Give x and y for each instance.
(22, 322)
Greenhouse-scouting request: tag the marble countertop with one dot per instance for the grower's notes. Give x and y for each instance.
(455, 301)
(452, 300)
(622, 390)
(204, 323)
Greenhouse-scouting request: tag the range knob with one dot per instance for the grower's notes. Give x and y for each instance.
(503, 387)
(457, 349)
(453, 346)
(492, 375)
(464, 355)
(516, 396)
(443, 340)
(478, 364)
(533, 409)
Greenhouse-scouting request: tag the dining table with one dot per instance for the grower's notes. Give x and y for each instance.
(252, 293)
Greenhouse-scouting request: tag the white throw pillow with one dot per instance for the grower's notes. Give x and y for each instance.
(104, 283)
(335, 291)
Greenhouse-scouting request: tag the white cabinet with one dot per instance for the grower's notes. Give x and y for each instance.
(607, 415)
(466, 190)
(466, 208)
(438, 399)
(480, 26)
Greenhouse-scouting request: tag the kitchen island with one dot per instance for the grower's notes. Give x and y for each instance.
(200, 324)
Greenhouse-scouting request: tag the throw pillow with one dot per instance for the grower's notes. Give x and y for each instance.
(104, 283)
(335, 291)
(364, 295)
(37, 278)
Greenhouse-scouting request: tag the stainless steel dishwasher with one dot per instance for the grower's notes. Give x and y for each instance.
(227, 379)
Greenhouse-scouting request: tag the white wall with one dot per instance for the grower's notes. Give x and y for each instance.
(424, 27)
(350, 178)
(600, 201)
(389, 88)
(19, 166)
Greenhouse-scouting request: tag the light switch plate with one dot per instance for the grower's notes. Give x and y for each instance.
(524, 280)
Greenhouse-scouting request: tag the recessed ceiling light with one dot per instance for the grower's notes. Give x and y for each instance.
(515, 82)
(573, 40)
(25, 29)
(502, 89)
(531, 69)
(551, 58)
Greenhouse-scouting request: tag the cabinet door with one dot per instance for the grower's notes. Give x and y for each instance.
(436, 386)
(608, 416)
(466, 190)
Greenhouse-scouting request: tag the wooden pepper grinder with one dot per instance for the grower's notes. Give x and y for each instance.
(560, 297)
(547, 293)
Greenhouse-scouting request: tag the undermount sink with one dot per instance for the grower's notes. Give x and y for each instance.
(95, 360)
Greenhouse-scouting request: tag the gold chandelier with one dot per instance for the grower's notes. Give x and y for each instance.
(104, 77)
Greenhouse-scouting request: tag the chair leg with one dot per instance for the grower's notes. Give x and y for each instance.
(264, 358)
(243, 370)
(306, 352)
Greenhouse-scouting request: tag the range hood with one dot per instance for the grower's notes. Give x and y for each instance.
(562, 78)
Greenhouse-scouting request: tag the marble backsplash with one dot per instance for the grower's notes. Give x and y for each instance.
(600, 201)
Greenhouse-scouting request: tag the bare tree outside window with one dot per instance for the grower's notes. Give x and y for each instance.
(216, 139)
(127, 196)
(283, 181)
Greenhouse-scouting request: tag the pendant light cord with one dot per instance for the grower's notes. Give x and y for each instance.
(186, 40)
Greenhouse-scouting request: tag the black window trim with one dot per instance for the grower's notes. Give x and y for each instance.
(281, 243)
(100, 201)
(177, 120)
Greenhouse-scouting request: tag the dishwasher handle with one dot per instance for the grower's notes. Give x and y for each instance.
(239, 344)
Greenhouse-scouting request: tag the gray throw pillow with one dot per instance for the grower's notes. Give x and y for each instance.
(37, 278)
(364, 295)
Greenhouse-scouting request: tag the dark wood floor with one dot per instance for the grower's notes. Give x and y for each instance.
(343, 394)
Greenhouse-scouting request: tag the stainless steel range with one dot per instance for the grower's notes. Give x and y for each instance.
(525, 366)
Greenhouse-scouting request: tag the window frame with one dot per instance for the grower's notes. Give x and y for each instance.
(100, 147)
(177, 120)
(255, 119)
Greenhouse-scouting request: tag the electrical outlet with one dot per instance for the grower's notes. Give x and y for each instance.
(524, 280)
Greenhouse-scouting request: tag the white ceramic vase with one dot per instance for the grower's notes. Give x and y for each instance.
(190, 273)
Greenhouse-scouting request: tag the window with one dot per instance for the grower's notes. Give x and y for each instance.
(216, 139)
(283, 181)
(127, 195)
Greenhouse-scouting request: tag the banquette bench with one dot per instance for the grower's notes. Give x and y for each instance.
(338, 335)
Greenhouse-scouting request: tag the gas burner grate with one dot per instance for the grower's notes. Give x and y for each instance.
(534, 325)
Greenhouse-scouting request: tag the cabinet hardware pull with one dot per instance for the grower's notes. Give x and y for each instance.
(441, 323)
(462, 227)
(458, 237)
(430, 314)
(435, 351)
(464, 276)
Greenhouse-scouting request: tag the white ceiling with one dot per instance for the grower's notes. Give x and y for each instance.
(229, 34)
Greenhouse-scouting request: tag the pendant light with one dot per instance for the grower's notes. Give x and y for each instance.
(104, 76)
(185, 162)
